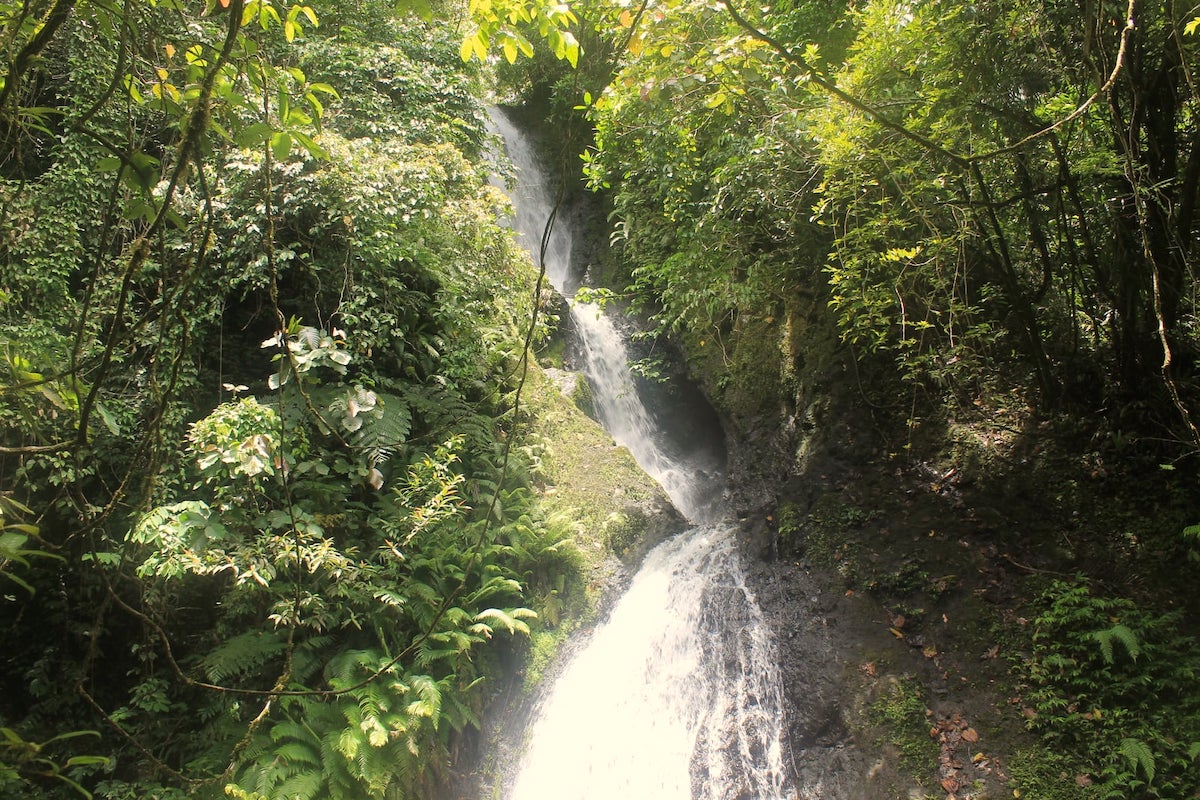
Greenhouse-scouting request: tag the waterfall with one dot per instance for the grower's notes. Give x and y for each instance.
(676, 696)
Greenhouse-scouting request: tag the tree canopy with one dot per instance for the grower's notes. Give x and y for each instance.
(999, 182)
(994, 205)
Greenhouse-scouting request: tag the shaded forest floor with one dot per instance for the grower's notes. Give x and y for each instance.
(924, 567)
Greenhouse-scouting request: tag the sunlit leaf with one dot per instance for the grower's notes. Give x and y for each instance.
(281, 145)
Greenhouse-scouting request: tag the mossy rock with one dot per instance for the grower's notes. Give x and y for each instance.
(575, 387)
(588, 477)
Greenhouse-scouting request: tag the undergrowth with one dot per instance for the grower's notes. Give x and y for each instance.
(1110, 687)
(901, 711)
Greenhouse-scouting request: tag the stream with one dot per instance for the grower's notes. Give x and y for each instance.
(676, 695)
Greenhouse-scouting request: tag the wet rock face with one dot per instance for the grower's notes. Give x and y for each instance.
(805, 617)
(573, 386)
(781, 460)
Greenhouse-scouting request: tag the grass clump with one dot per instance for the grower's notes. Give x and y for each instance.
(900, 711)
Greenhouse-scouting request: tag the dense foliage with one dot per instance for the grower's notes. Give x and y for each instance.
(999, 184)
(1111, 684)
(997, 200)
(266, 520)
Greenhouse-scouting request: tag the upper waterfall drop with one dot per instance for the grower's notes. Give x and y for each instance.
(676, 696)
(690, 471)
(534, 198)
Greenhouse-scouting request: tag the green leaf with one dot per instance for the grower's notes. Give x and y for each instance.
(318, 109)
(467, 48)
(295, 116)
(109, 420)
(570, 49)
(281, 145)
(72, 735)
(323, 88)
(253, 135)
(310, 146)
(20, 582)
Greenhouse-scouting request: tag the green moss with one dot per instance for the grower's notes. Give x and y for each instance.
(900, 713)
(789, 521)
(1049, 775)
(544, 645)
(830, 536)
(583, 397)
(552, 353)
(743, 368)
(583, 470)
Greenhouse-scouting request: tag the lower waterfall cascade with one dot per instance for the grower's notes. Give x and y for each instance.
(676, 695)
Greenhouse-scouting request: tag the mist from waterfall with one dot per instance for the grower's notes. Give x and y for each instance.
(676, 695)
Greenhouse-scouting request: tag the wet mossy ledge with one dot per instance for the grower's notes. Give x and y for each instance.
(617, 510)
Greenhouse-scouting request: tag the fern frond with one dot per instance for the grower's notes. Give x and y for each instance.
(307, 785)
(505, 619)
(309, 657)
(1117, 633)
(427, 654)
(456, 712)
(242, 654)
(429, 702)
(287, 729)
(299, 753)
(348, 743)
(1139, 755)
(382, 435)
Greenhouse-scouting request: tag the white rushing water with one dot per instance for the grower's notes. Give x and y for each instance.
(676, 695)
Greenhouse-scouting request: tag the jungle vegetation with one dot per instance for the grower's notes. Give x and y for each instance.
(267, 522)
(994, 204)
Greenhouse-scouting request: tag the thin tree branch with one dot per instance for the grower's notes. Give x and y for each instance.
(798, 61)
(959, 160)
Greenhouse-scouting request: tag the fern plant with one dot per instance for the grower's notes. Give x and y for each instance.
(1111, 687)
